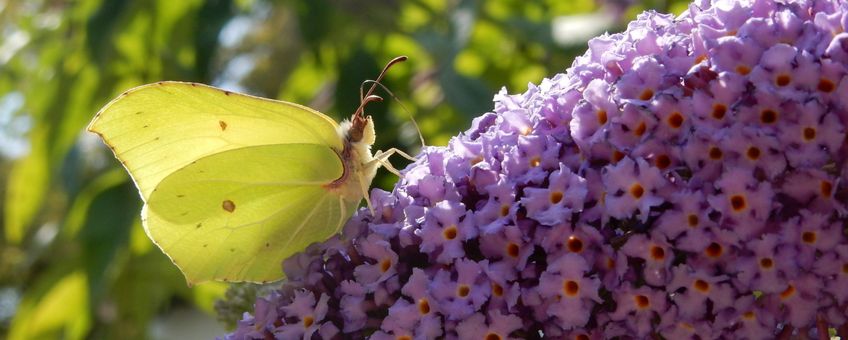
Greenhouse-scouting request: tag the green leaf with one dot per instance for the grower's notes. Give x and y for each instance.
(61, 311)
(78, 213)
(314, 19)
(26, 189)
(100, 27)
(144, 288)
(204, 295)
(211, 17)
(469, 96)
(106, 231)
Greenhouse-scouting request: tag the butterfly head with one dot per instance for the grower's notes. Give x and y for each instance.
(361, 130)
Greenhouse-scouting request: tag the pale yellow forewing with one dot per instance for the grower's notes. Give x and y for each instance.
(159, 128)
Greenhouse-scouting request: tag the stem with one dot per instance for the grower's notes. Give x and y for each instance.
(786, 333)
(842, 331)
(821, 327)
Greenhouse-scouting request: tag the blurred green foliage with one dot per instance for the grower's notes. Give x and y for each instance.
(74, 260)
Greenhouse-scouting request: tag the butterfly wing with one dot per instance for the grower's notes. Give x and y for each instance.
(158, 128)
(236, 215)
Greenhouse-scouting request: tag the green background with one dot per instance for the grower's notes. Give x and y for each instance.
(74, 261)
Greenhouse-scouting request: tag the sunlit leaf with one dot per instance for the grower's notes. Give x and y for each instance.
(60, 312)
(204, 295)
(26, 189)
(140, 244)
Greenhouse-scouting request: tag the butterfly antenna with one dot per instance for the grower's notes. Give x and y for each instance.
(372, 98)
(396, 60)
(408, 113)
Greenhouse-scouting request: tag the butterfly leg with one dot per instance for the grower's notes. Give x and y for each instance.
(393, 151)
(386, 164)
(382, 157)
(364, 187)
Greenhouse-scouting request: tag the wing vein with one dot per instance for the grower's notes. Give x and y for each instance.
(303, 223)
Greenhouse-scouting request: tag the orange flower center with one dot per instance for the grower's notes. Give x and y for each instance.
(512, 249)
(768, 116)
(714, 250)
(385, 265)
(637, 191)
(657, 253)
(463, 290)
(715, 153)
(556, 197)
(753, 153)
(825, 85)
(574, 244)
(602, 117)
(662, 161)
(535, 161)
(493, 336)
(693, 220)
(617, 156)
(783, 80)
(640, 129)
(809, 134)
(423, 306)
(702, 285)
(642, 301)
(450, 233)
(571, 288)
(497, 290)
(504, 210)
(826, 188)
(809, 237)
(675, 120)
(719, 110)
(737, 202)
(788, 292)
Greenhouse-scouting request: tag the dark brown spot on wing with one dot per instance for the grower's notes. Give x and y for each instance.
(227, 92)
(223, 125)
(198, 226)
(228, 205)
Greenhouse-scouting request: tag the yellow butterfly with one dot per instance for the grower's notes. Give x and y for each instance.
(233, 184)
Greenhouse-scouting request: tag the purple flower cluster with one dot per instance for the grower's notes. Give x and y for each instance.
(684, 177)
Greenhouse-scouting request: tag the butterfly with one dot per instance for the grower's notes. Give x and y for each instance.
(234, 184)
